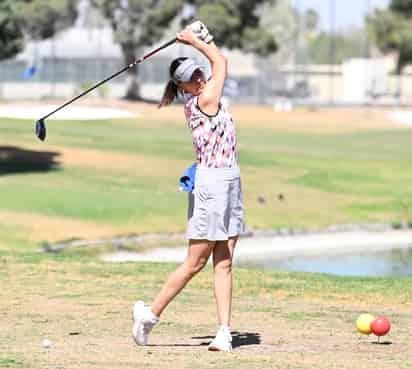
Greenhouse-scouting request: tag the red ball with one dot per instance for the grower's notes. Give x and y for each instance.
(380, 326)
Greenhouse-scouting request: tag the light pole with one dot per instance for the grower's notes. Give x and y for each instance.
(296, 44)
(187, 15)
(332, 50)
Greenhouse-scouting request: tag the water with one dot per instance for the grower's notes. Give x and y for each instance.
(391, 262)
(358, 253)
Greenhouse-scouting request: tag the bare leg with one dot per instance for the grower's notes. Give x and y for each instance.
(222, 263)
(197, 257)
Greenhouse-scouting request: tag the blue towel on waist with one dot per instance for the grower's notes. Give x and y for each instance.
(187, 180)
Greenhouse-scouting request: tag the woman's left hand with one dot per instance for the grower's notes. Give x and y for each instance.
(201, 31)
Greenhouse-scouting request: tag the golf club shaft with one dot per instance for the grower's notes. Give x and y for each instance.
(143, 58)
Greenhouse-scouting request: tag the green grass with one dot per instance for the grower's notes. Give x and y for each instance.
(302, 315)
(326, 178)
(311, 167)
(83, 306)
(6, 362)
(89, 195)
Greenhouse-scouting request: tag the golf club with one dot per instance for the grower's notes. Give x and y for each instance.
(40, 125)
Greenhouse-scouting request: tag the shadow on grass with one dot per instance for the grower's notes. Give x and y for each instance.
(245, 339)
(238, 339)
(382, 343)
(14, 160)
(174, 345)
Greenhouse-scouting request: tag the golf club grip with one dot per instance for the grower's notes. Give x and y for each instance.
(112, 76)
(157, 50)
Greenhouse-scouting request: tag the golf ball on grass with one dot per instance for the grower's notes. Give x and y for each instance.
(47, 343)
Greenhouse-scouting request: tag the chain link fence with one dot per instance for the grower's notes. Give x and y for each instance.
(355, 82)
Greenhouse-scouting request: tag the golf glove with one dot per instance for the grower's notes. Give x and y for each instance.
(200, 30)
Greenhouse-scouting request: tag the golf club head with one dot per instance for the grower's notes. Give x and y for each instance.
(41, 129)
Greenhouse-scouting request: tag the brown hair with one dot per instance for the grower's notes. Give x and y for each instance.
(171, 91)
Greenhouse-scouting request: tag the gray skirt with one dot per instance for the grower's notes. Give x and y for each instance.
(215, 209)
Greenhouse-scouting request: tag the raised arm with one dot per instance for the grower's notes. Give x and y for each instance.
(210, 97)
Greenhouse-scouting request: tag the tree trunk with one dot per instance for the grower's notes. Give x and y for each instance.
(132, 81)
(399, 88)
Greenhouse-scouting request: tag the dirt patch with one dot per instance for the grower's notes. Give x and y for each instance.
(147, 165)
(319, 120)
(40, 227)
(322, 120)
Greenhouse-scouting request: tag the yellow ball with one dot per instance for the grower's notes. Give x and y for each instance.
(363, 323)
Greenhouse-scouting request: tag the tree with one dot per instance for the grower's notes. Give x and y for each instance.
(391, 31)
(401, 7)
(41, 19)
(31, 19)
(140, 23)
(347, 45)
(281, 20)
(310, 20)
(236, 24)
(292, 29)
(11, 35)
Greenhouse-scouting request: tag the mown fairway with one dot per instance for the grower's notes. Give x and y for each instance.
(101, 178)
(95, 179)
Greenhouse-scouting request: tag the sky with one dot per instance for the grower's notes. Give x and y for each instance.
(348, 13)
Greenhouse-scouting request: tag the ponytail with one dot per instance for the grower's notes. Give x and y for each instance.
(169, 94)
(171, 90)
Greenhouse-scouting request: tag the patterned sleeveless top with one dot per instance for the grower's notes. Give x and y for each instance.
(214, 137)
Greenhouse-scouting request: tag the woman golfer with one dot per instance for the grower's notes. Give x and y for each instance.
(216, 208)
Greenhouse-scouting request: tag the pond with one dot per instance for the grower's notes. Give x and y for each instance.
(393, 262)
(346, 254)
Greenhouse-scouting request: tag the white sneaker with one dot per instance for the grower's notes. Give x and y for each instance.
(144, 321)
(222, 341)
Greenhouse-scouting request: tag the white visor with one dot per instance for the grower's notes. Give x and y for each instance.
(184, 71)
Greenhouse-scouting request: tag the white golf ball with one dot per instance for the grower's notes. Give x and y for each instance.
(47, 343)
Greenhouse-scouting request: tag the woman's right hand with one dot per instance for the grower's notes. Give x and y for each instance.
(187, 36)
